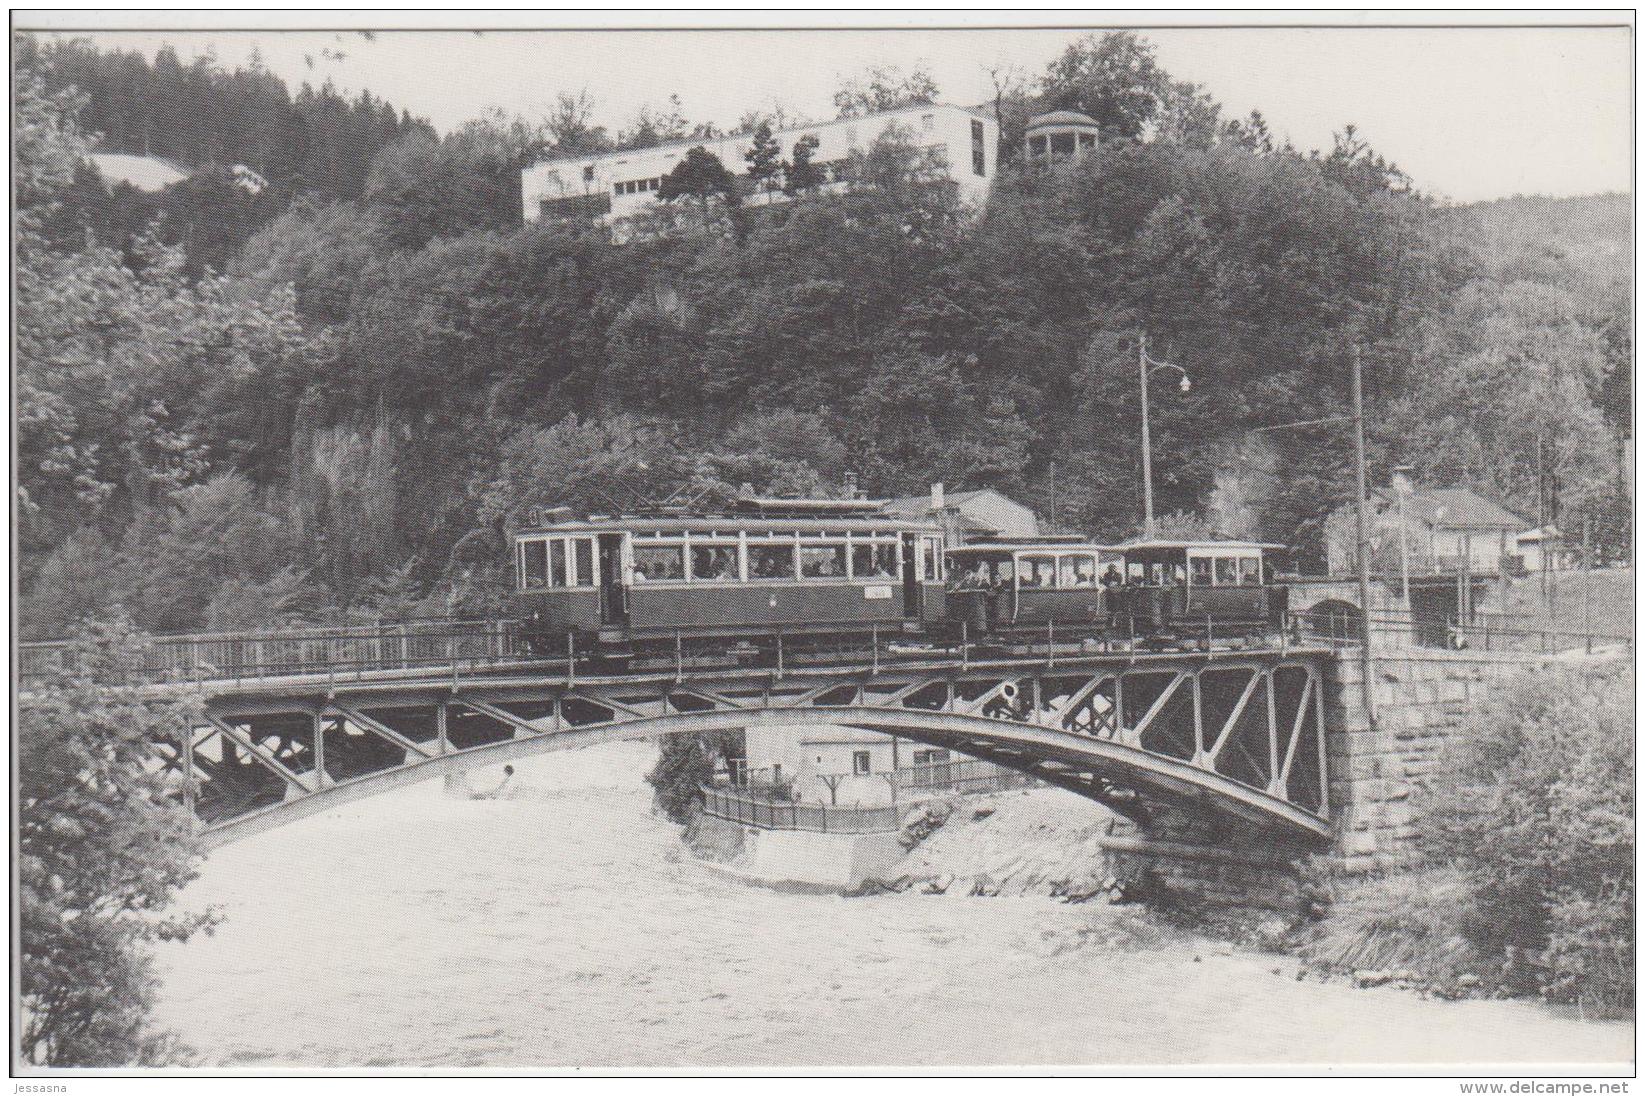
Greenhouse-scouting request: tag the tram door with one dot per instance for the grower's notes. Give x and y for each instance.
(913, 592)
(613, 592)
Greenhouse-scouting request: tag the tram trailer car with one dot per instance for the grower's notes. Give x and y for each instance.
(1199, 591)
(812, 572)
(1014, 584)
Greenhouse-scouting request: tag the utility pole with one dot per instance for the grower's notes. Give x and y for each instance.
(1364, 564)
(1054, 526)
(1587, 585)
(1542, 518)
(1147, 366)
(1147, 454)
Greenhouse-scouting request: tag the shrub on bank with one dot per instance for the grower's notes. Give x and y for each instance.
(1536, 819)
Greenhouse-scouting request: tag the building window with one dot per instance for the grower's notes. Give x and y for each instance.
(929, 122)
(979, 153)
(861, 763)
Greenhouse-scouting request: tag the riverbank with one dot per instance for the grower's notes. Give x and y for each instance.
(560, 924)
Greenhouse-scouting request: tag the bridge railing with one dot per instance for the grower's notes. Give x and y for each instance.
(342, 651)
(962, 775)
(1487, 632)
(738, 807)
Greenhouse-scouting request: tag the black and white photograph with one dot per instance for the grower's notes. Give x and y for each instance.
(821, 543)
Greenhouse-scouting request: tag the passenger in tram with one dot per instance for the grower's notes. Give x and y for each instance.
(1112, 578)
(1085, 573)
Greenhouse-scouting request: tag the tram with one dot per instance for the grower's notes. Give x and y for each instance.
(1008, 584)
(761, 577)
(1204, 591)
(809, 571)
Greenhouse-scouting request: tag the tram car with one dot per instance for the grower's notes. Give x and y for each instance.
(1198, 592)
(1003, 585)
(763, 572)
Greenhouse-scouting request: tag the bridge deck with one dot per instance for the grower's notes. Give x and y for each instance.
(1236, 733)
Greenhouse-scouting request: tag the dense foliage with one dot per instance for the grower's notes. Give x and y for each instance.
(101, 850)
(200, 114)
(685, 762)
(363, 393)
(1538, 816)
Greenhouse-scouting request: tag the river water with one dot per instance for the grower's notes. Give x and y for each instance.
(565, 927)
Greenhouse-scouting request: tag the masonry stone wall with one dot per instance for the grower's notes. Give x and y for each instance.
(1422, 698)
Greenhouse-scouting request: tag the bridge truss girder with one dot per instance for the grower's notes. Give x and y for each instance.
(1238, 737)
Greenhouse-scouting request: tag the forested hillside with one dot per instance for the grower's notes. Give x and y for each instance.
(339, 415)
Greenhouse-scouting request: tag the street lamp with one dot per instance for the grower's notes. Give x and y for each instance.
(1146, 368)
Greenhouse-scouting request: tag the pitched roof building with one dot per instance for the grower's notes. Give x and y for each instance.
(1442, 528)
(968, 515)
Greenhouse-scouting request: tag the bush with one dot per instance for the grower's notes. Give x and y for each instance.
(1405, 922)
(1537, 817)
(103, 847)
(685, 763)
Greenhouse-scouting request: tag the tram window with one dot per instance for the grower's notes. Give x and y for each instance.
(822, 561)
(771, 561)
(1227, 571)
(556, 561)
(714, 563)
(932, 560)
(874, 561)
(1202, 571)
(654, 562)
(1250, 571)
(1038, 573)
(1076, 571)
(535, 555)
(583, 557)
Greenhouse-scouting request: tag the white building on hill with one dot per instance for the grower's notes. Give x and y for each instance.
(614, 185)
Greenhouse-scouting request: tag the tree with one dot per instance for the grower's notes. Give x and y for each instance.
(700, 175)
(103, 847)
(685, 763)
(1115, 79)
(1250, 133)
(653, 127)
(469, 180)
(1537, 816)
(884, 87)
(801, 175)
(1188, 115)
(764, 160)
(570, 126)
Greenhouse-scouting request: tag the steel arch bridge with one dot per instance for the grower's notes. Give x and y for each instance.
(1236, 736)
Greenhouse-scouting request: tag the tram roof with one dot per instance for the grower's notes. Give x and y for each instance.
(731, 523)
(1030, 544)
(1160, 544)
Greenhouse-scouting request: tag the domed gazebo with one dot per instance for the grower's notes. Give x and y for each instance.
(1060, 133)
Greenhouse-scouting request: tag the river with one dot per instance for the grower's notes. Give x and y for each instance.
(566, 927)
